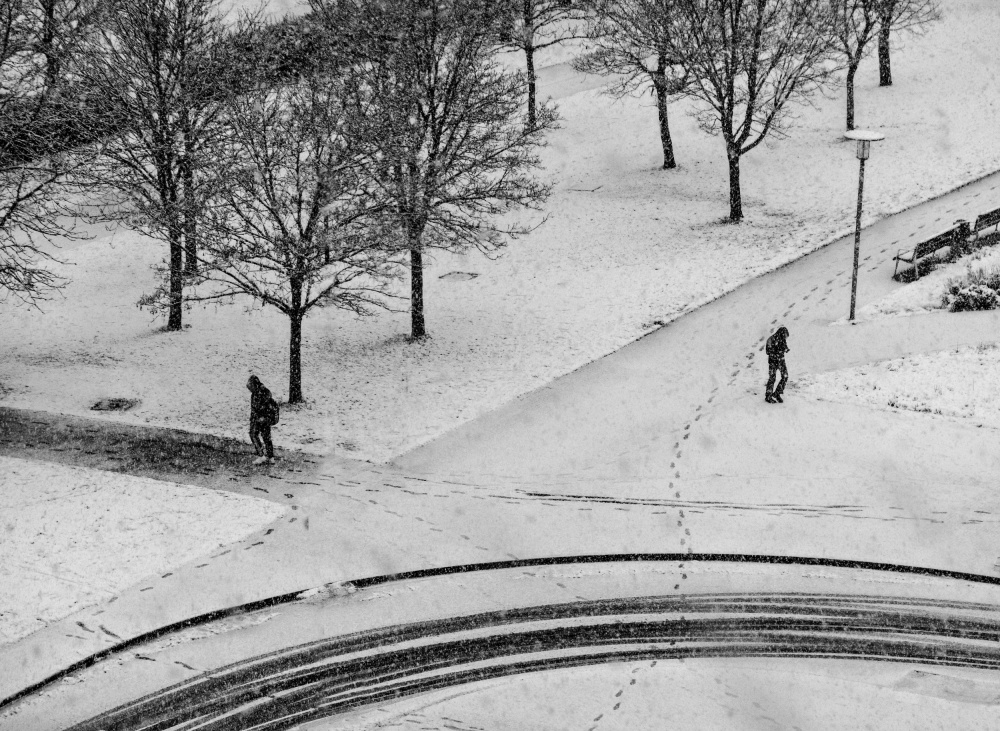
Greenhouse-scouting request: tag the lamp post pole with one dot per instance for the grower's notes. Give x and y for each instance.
(864, 139)
(857, 237)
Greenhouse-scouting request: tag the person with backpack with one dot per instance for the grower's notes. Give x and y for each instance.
(263, 415)
(776, 347)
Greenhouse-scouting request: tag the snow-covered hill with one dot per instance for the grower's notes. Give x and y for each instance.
(625, 246)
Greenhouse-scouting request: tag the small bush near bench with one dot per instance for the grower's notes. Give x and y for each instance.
(977, 290)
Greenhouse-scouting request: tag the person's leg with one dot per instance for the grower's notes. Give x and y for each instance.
(255, 439)
(772, 371)
(265, 433)
(780, 389)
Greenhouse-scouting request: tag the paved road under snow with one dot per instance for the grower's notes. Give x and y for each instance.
(337, 652)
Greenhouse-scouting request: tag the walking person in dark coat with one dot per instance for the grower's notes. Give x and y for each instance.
(260, 421)
(776, 347)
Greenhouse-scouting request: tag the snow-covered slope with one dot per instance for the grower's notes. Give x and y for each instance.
(626, 246)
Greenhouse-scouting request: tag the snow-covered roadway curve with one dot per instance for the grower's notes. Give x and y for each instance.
(331, 653)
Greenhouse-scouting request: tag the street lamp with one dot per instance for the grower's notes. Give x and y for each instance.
(865, 139)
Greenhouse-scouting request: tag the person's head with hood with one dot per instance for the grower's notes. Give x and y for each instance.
(254, 384)
(781, 334)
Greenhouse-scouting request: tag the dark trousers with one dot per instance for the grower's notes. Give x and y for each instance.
(260, 431)
(773, 368)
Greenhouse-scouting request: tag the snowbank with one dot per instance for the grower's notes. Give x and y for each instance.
(626, 246)
(961, 384)
(74, 537)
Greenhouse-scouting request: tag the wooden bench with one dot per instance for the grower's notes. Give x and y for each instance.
(986, 221)
(912, 256)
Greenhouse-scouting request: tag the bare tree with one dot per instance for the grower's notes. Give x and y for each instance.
(288, 223)
(156, 71)
(532, 25)
(36, 181)
(61, 26)
(853, 25)
(448, 147)
(899, 16)
(632, 40)
(749, 60)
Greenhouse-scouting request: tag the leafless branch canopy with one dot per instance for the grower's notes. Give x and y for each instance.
(163, 69)
(531, 25)
(910, 16)
(853, 24)
(287, 222)
(36, 183)
(441, 124)
(153, 71)
(749, 59)
(632, 41)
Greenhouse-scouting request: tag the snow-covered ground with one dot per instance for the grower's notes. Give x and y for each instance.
(961, 383)
(73, 537)
(626, 246)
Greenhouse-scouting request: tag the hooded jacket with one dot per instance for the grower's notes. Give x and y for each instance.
(260, 398)
(777, 345)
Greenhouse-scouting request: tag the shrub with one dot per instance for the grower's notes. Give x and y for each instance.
(963, 297)
(977, 290)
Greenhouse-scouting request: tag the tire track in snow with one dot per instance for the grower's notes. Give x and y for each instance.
(334, 675)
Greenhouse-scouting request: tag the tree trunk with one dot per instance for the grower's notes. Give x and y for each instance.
(661, 107)
(48, 45)
(190, 225)
(417, 329)
(528, 39)
(176, 280)
(295, 357)
(884, 62)
(852, 69)
(529, 52)
(735, 194)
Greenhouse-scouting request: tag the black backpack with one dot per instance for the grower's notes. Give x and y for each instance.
(273, 413)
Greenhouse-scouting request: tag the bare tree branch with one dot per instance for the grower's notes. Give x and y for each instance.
(441, 125)
(159, 69)
(287, 222)
(853, 25)
(749, 60)
(531, 25)
(632, 42)
(37, 186)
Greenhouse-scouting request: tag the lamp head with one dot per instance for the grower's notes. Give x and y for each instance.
(864, 138)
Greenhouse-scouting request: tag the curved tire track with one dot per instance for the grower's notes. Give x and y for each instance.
(311, 681)
(550, 561)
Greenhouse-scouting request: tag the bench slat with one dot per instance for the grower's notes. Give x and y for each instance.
(987, 219)
(929, 246)
(933, 244)
(946, 238)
